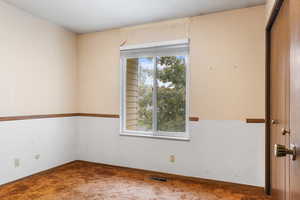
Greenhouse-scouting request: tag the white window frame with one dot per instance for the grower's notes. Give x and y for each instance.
(185, 136)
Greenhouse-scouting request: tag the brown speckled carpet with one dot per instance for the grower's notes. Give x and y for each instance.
(87, 181)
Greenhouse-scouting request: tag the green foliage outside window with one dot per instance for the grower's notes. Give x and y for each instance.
(171, 95)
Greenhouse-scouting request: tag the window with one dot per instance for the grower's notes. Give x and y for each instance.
(154, 90)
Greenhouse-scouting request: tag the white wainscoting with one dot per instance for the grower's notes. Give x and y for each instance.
(53, 139)
(231, 151)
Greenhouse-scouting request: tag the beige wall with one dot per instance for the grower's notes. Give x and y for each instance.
(160, 31)
(38, 73)
(37, 65)
(227, 63)
(98, 61)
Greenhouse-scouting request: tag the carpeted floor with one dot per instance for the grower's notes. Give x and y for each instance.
(88, 181)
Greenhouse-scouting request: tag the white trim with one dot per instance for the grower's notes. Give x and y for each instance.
(121, 83)
(154, 44)
(187, 95)
(154, 98)
(155, 136)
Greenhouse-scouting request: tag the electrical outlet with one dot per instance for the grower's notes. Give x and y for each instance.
(172, 158)
(37, 156)
(17, 162)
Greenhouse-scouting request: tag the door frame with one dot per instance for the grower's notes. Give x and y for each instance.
(274, 14)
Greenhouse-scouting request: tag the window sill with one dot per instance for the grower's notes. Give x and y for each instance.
(156, 137)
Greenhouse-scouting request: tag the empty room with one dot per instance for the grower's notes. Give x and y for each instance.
(149, 100)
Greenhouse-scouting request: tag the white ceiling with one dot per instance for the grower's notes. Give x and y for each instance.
(82, 16)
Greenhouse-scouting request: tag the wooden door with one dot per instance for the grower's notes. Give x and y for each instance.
(295, 96)
(284, 98)
(279, 105)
